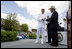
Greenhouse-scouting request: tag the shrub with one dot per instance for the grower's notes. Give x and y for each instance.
(33, 36)
(24, 27)
(8, 36)
(2, 30)
(11, 24)
(40, 36)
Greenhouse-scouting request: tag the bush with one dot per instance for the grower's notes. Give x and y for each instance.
(40, 36)
(11, 24)
(8, 36)
(33, 36)
(2, 30)
(24, 27)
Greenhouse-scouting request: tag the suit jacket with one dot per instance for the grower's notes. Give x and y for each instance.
(53, 20)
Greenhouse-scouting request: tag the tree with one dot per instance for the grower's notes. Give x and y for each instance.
(24, 27)
(11, 23)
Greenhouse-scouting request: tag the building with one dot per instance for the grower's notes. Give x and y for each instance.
(34, 30)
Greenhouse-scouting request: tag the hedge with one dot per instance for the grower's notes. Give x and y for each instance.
(8, 36)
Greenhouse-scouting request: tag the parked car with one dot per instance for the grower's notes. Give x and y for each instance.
(19, 37)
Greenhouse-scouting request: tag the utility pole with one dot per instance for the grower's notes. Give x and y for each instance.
(69, 26)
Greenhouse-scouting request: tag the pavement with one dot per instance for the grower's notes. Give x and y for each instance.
(27, 43)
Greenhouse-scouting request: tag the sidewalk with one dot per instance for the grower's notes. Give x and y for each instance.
(27, 43)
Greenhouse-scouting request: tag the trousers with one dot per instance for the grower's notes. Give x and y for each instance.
(42, 31)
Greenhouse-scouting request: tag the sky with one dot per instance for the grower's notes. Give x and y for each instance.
(27, 11)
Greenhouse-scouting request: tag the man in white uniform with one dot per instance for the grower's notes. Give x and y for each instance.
(41, 26)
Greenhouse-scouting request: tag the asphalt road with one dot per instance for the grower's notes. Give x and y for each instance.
(27, 43)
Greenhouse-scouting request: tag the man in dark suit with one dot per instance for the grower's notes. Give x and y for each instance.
(48, 31)
(53, 22)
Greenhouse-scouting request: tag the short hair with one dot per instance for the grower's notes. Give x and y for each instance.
(42, 9)
(64, 19)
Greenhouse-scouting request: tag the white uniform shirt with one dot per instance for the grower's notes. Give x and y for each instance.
(40, 22)
(48, 14)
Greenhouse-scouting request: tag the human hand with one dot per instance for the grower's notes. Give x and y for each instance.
(47, 17)
(43, 19)
(48, 22)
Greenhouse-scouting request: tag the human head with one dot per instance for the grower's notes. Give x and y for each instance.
(52, 8)
(64, 19)
(42, 10)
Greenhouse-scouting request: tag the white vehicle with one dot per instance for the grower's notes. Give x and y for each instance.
(19, 37)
